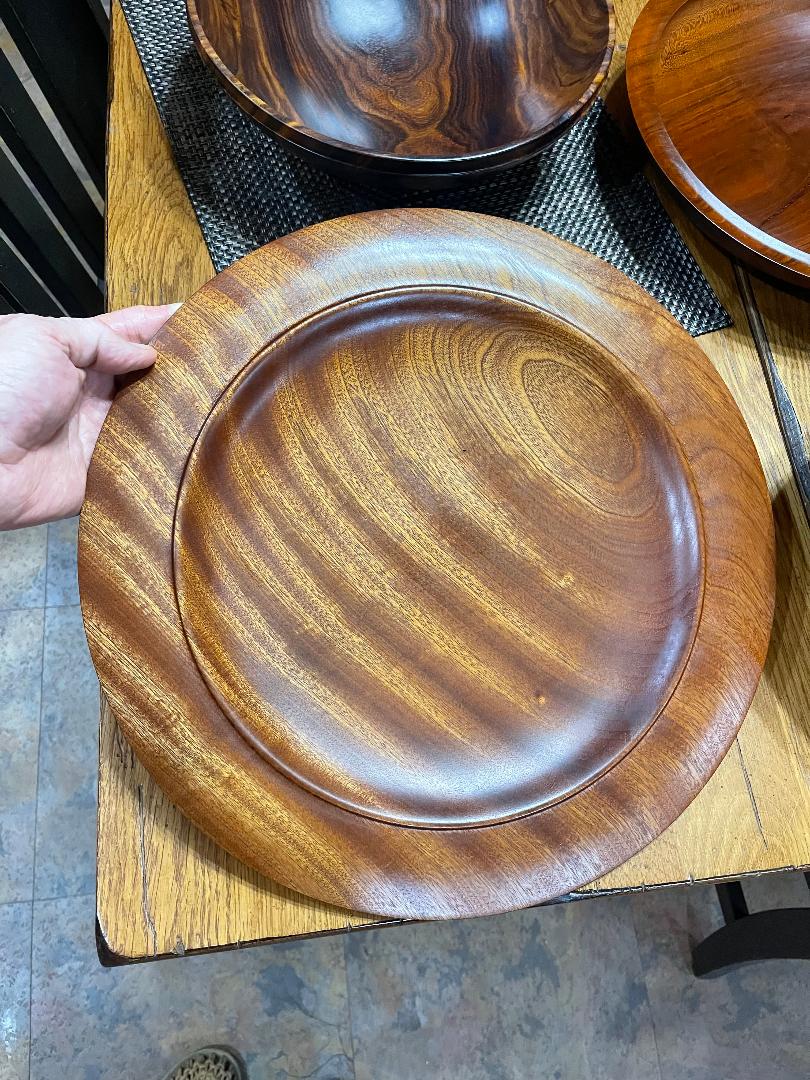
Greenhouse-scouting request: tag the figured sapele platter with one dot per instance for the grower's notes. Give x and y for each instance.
(431, 569)
(720, 90)
(409, 91)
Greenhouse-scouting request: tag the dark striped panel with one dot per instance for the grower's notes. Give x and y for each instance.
(7, 303)
(100, 15)
(26, 223)
(20, 288)
(27, 135)
(65, 48)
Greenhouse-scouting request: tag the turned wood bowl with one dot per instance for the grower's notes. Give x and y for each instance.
(721, 95)
(430, 570)
(409, 92)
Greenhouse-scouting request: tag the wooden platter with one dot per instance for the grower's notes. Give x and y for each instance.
(431, 569)
(720, 90)
(409, 92)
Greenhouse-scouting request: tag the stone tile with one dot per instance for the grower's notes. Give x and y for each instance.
(68, 761)
(555, 993)
(15, 974)
(746, 1025)
(283, 1007)
(20, 682)
(778, 890)
(22, 567)
(62, 587)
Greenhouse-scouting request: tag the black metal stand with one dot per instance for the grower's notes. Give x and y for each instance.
(779, 934)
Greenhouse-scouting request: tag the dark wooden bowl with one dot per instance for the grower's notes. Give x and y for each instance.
(409, 92)
(721, 95)
(431, 569)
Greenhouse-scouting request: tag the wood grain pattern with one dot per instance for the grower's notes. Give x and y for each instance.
(754, 815)
(437, 558)
(164, 888)
(721, 93)
(441, 560)
(789, 424)
(145, 195)
(786, 318)
(409, 91)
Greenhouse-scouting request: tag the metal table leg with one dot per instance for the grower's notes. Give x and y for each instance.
(779, 934)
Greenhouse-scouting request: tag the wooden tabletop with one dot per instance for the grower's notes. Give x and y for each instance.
(164, 888)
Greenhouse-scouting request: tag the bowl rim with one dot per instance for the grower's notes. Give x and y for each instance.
(340, 151)
(777, 255)
(170, 718)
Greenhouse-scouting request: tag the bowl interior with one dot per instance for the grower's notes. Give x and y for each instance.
(409, 79)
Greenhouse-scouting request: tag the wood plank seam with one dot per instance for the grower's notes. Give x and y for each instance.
(789, 424)
(750, 789)
(147, 914)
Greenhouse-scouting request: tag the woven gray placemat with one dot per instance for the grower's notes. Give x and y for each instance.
(247, 189)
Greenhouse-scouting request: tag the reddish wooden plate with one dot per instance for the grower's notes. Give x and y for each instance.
(431, 569)
(721, 94)
(408, 92)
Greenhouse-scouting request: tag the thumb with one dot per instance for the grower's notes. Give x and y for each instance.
(91, 344)
(139, 323)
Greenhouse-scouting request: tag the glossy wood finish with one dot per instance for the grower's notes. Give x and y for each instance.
(409, 91)
(447, 556)
(438, 559)
(721, 94)
(165, 888)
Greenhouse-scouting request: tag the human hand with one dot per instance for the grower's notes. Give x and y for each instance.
(57, 381)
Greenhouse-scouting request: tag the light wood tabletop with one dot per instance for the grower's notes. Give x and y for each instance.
(165, 889)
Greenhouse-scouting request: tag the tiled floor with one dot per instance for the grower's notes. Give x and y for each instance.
(595, 990)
